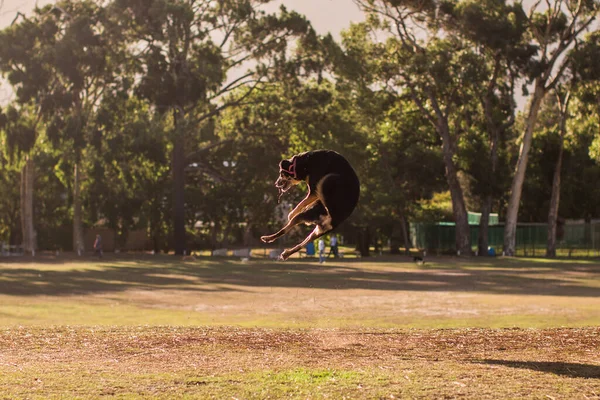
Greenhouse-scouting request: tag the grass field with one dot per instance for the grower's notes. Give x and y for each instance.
(159, 327)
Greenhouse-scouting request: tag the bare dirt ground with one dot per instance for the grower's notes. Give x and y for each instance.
(160, 327)
(324, 363)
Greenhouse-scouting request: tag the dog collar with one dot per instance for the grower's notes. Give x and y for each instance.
(292, 170)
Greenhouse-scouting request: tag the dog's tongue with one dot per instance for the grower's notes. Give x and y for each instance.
(282, 190)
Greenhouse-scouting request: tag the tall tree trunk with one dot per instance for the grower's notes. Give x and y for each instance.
(363, 242)
(459, 210)
(156, 243)
(486, 209)
(512, 212)
(399, 236)
(27, 227)
(554, 202)
(395, 239)
(23, 190)
(400, 210)
(555, 197)
(405, 234)
(178, 171)
(248, 239)
(494, 129)
(32, 242)
(484, 225)
(78, 241)
(214, 234)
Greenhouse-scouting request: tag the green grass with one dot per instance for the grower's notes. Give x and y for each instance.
(157, 327)
(380, 292)
(170, 362)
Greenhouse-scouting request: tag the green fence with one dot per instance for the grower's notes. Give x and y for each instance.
(573, 239)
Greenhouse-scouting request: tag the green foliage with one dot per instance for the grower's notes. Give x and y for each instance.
(10, 224)
(180, 111)
(437, 208)
(586, 80)
(493, 25)
(578, 193)
(584, 58)
(52, 201)
(17, 131)
(129, 165)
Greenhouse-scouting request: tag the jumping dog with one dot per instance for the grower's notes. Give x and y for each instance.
(333, 191)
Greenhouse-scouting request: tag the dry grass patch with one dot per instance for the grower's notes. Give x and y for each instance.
(157, 327)
(384, 292)
(166, 362)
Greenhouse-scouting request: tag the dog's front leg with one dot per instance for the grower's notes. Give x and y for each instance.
(305, 203)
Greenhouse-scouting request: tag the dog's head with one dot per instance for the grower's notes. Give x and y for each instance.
(288, 174)
(291, 172)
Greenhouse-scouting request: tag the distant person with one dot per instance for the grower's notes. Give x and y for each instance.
(321, 251)
(333, 244)
(98, 246)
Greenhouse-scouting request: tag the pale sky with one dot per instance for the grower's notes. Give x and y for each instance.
(325, 15)
(9, 9)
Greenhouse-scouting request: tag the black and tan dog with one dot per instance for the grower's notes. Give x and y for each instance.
(333, 191)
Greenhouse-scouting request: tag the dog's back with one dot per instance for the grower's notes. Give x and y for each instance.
(322, 162)
(336, 182)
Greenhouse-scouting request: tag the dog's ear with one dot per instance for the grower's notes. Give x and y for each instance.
(288, 167)
(284, 165)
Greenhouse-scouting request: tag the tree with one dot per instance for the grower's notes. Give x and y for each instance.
(57, 60)
(554, 30)
(187, 53)
(584, 68)
(496, 31)
(563, 98)
(20, 132)
(9, 204)
(567, 140)
(437, 70)
(128, 174)
(10, 209)
(403, 161)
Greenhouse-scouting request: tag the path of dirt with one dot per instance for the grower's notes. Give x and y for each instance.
(471, 363)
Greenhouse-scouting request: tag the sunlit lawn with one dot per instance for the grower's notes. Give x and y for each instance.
(142, 326)
(379, 292)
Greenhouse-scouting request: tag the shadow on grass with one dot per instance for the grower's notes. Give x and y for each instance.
(571, 370)
(112, 274)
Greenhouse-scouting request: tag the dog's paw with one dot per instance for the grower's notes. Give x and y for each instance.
(267, 239)
(285, 255)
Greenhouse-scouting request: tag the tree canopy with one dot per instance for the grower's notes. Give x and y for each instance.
(169, 118)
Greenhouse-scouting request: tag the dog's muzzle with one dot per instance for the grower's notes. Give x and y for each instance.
(283, 184)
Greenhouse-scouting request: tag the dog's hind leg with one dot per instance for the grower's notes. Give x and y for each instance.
(310, 216)
(291, 223)
(315, 234)
(317, 215)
